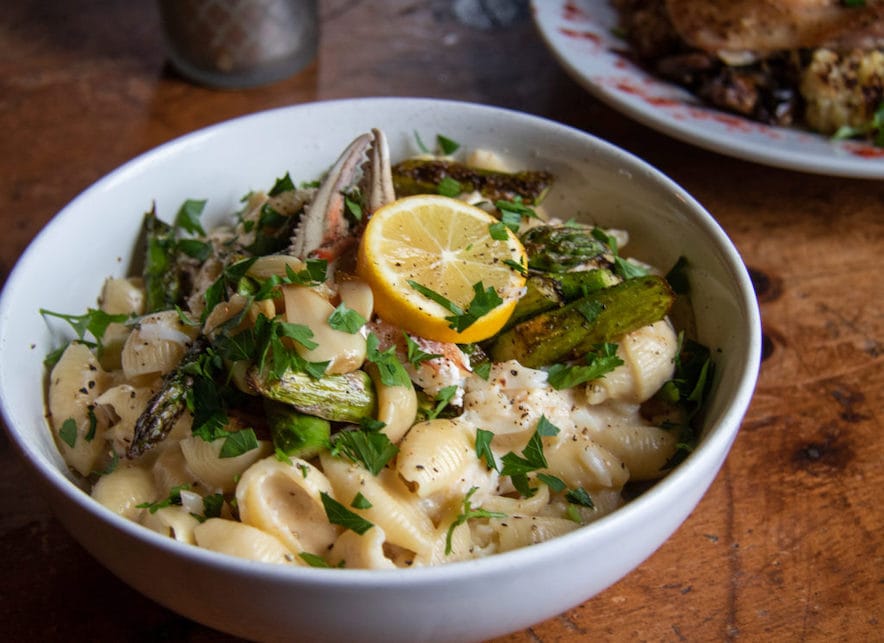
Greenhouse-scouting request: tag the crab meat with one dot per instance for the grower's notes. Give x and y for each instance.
(324, 231)
(450, 367)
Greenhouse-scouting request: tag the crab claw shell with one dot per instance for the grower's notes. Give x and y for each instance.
(324, 222)
(380, 174)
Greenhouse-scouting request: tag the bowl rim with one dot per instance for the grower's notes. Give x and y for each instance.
(715, 443)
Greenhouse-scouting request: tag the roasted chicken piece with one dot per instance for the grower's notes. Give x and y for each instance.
(764, 27)
(816, 63)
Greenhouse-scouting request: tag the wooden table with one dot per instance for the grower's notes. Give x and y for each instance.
(788, 545)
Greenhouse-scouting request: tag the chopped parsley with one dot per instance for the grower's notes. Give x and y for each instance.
(443, 398)
(468, 513)
(346, 320)
(338, 514)
(596, 364)
(449, 187)
(414, 352)
(188, 217)
(68, 432)
(93, 322)
(372, 449)
(622, 267)
(361, 502)
(284, 184)
(313, 560)
(391, 370)
(484, 301)
(238, 443)
(483, 448)
(174, 498)
(532, 458)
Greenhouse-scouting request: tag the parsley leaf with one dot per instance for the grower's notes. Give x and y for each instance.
(498, 232)
(188, 217)
(372, 449)
(93, 321)
(622, 267)
(449, 187)
(313, 560)
(391, 370)
(579, 496)
(598, 363)
(484, 300)
(446, 393)
(68, 432)
(414, 352)
(516, 208)
(532, 458)
(174, 498)
(468, 513)
(346, 320)
(446, 145)
(238, 443)
(360, 502)
(338, 514)
(555, 484)
(284, 184)
(483, 448)
(212, 505)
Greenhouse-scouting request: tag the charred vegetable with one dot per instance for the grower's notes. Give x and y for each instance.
(572, 330)
(561, 248)
(423, 176)
(348, 397)
(545, 292)
(294, 433)
(162, 283)
(164, 408)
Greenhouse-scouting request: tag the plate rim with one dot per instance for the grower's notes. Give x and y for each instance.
(549, 15)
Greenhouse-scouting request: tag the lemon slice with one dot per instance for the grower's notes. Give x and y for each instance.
(427, 256)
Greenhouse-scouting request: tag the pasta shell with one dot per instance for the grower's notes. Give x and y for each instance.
(397, 405)
(170, 470)
(361, 552)
(579, 461)
(124, 403)
(519, 531)
(156, 344)
(648, 356)
(393, 506)
(173, 522)
(75, 382)
(124, 489)
(438, 457)
(344, 351)
(122, 296)
(357, 295)
(242, 540)
(284, 500)
(644, 450)
(214, 472)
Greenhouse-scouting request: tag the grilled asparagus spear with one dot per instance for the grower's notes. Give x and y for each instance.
(348, 397)
(423, 176)
(574, 329)
(553, 248)
(162, 282)
(167, 405)
(548, 291)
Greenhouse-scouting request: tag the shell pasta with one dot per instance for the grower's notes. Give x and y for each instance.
(245, 394)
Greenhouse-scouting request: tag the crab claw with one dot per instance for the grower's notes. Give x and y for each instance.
(324, 231)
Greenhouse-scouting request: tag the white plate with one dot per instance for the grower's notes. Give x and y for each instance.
(580, 34)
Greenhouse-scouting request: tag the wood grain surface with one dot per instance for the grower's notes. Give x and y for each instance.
(786, 546)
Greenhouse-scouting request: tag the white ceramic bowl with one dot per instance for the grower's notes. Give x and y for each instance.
(92, 238)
